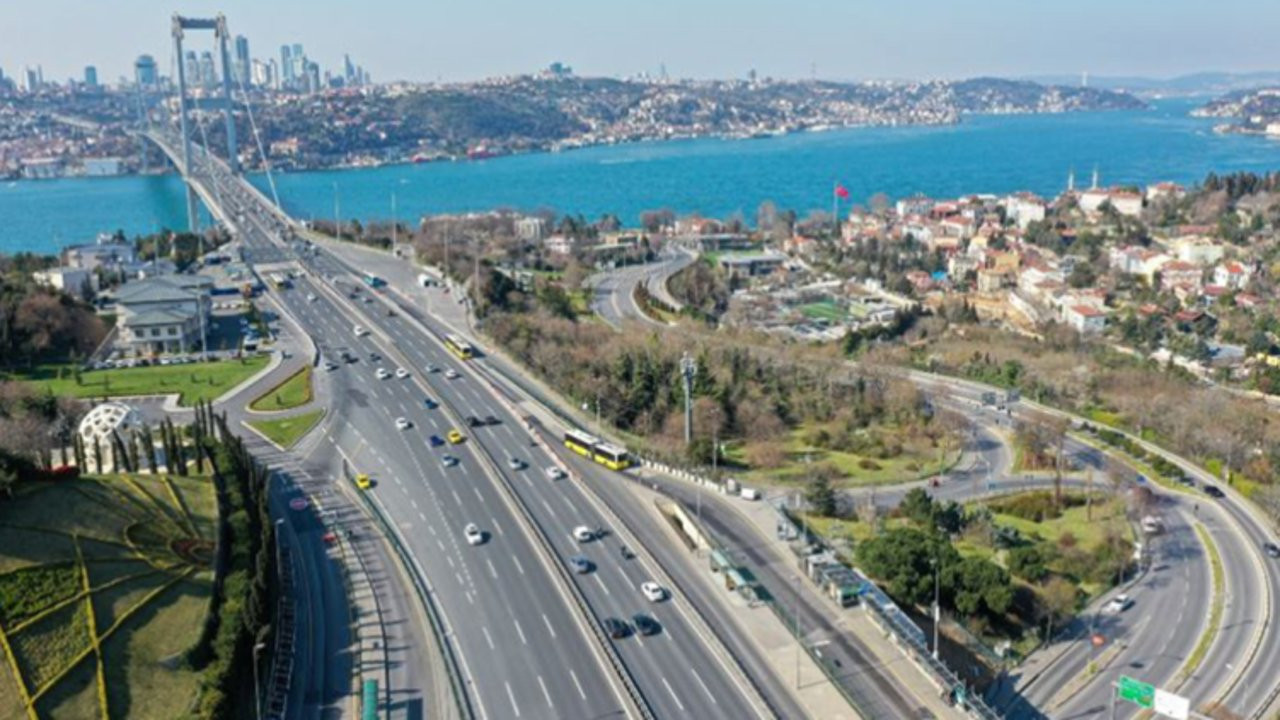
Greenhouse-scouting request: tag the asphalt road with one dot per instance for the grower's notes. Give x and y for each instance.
(613, 297)
(676, 672)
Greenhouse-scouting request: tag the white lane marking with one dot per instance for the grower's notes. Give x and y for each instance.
(441, 545)
(519, 567)
(496, 527)
(487, 638)
(414, 503)
(572, 509)
(459, 578)
(451, 565)
(396, 479)
(577, 684)
(520, 630)
(511, 696)
(477, 492)
(456, 498)
(546, 694)
(698, 677)
(673, 693)
(546, 505)
(602, 585)
(548, 624)
(492, 571)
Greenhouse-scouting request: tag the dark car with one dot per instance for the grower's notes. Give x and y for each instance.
(1213, 492)
(616, 628)
(431, 404)
(473, 421)
(436, 441)
(1271, 549)
(375, 357)
(491, 420)
(580, 564)
(645, 625)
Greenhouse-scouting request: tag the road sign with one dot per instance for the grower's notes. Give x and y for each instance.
(1137, 692)
(1170, 705)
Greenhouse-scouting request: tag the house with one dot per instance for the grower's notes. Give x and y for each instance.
(71, 280)
(916, 205)
(1086, 319)
(530, 229)
(559, 244)
(105, 253)
(960, 265)
(1024, 209)
(1165, 189)
(1179, 273)
(1124, 202)
(991, 280)
(752, 264)
(1231, 274)
(166, 314)
(1197, 249)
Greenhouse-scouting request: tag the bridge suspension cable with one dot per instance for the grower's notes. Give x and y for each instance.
(257, 138)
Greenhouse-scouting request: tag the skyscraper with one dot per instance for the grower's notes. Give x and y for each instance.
(144, 71)
(313, 77)
(33, 79)
(286, 66)
(91, 76)
(348, 70)
(242, 63)
(208, 72)
(192, 67)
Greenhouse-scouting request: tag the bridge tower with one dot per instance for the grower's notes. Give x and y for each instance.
(219, 26)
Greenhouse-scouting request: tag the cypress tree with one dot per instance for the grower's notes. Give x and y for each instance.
(97, 456)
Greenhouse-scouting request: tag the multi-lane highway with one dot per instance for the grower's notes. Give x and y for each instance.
(522, 645)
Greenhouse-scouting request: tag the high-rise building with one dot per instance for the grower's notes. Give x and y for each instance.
(242, 64)
(144, 71)
(313, 77)
(348, 70)
(191, 64)
(273, 71)
(208, 73)
(286, 66)
(33, 79)
(91, 76)
(261, 74)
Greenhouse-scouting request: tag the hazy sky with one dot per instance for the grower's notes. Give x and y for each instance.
(412, 39)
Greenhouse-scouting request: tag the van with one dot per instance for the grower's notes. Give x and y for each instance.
(749, 493)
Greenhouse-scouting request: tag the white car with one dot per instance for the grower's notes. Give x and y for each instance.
(653, 591)
(451, 374)
(432, 369)
(402, 423)
(554, 473)
(359, 331)
(475, 536)
(515, 463)
(382, 374)
(402, 373)
(311, 297)
(1117, 605)
(449, 460)
(582, 534)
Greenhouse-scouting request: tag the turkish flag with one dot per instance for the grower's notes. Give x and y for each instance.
(841, 192)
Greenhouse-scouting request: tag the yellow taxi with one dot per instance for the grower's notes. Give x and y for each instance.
(455, 437)
(363, 482)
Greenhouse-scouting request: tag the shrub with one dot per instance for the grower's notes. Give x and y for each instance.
(869, 464)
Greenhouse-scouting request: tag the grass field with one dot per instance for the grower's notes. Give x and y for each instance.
(294, 392)
(191, 382)
(286, 431)
(131, 553)
(1088, 532)
(826, 310)
(916, 461)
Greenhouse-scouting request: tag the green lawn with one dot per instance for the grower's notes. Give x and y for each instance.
(826, 310)
(122, 536)
(1107, 513)
(916, 461)
(294, 392)
(286, 431)
(192, 382)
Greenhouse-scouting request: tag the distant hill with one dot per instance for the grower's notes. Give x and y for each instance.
(1203, 83)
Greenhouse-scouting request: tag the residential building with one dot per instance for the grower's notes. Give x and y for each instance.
(106, 254)
(166, 314)
(1177, 273)
(752, 264)
(1124, 202)
(1086, 319)
(1197, 249)
(1024, 209)
(1232, 275)
(559, 244)
(71, 280)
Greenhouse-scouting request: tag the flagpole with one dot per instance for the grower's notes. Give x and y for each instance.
(835, 207)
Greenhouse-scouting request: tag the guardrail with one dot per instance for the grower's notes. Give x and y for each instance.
(456, 683)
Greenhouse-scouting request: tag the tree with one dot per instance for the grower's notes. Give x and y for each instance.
(979, 586)
(821, 496)
(1027, 562)
(1058, 599)
(918, 506)
(8, 479)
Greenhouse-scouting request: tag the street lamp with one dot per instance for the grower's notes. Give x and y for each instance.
(257, 695)
(937, 608)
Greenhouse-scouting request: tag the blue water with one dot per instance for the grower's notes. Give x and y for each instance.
(715, 177)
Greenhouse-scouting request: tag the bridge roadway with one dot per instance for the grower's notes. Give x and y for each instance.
(522, 649)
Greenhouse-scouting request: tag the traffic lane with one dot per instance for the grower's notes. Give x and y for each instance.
(1256, 688)
(403, 403)
(559, 508)
(478, 603)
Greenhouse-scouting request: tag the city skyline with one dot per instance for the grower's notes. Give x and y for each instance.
(400, 41)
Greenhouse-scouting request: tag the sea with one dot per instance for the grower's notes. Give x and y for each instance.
(711, 176)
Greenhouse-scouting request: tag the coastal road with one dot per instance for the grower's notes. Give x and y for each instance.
(613, 293)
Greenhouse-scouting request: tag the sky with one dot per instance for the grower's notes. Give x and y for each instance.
(831, 39)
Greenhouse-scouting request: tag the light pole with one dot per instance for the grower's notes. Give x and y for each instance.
(795, 609)
(937, 608)
(688, 369)
(257, 695)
